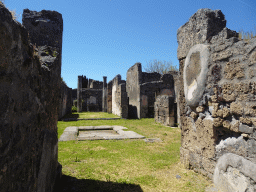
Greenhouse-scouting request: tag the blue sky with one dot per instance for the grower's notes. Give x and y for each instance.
(106, 37)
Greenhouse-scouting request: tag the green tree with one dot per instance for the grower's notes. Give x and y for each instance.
(158, 66)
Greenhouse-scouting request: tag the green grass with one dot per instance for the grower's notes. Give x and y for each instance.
(127, 164)
(91, 115)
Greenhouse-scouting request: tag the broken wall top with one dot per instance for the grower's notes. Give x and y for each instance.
(44, 27)
(204, 24)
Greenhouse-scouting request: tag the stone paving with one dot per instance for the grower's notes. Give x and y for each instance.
(98, 133)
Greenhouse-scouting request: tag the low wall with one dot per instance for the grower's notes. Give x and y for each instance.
(165, 110)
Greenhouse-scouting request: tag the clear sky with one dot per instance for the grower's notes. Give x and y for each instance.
(106, 37)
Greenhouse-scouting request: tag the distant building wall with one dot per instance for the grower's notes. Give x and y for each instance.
(119, 97)
(143, 88)
(109, 97)
(65, 100)
(133, 81)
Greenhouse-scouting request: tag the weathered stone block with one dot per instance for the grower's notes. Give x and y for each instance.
(30, 89)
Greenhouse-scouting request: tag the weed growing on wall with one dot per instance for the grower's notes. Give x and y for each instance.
(15, 16)
(247, 35)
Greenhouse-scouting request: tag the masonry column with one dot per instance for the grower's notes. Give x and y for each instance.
(79, 94)
(104, 94)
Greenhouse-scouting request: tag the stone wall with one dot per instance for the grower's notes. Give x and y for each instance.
(96, 84)
(119, 97)
(74, 95)
(133, 81)
(109, 97)
(165, 110)
(104, 95)
(66, 101)
(217, 101)
(89, 94)
(92, 100)
(29, 99)
(142, 89)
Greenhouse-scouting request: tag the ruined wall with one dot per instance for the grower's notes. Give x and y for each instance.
(119, 97)
(96, 84)
(165, 110)
(133, 81)
(104, 95)
(65, 100)
(150, 90)
(74, 95)
(176, 79)
(89, 94)
(217, 101)
(109, 97)
(148, 77)
(142, 89)
(79, 93)
(29, 100)
(92, 99)
(115, 105)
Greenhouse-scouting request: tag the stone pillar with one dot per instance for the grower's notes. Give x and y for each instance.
(79, 94)
(104, 94)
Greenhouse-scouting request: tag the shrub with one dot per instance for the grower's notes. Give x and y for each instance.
(75, 103)
(74, 109)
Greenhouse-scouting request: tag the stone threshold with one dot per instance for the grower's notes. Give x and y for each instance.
(97, 133)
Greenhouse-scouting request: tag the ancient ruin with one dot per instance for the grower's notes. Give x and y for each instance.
(30, 84)
(65, 100)
(142, 89)
(89, 94)
(98, 133)
(217, 101)
(117, 97)
(165, 110)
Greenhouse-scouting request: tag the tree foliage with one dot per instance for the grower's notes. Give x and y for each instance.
(158, 66)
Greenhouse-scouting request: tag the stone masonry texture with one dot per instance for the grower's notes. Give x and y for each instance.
(143, 88)
(29, 99)
(89, 94)
(65, 105)
(217, 101)
(119, 97)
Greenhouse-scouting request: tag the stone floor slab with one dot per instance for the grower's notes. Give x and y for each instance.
(98, 133)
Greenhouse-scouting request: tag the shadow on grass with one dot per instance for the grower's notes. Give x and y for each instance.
(72, 184)
(71, 115)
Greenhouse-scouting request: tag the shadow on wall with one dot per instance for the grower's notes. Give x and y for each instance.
(70, 184)
(132, 112)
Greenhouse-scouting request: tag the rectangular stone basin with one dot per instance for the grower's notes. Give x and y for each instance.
(98, 133)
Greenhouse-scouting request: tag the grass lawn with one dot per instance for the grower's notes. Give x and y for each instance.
(91, 115)
(126, 165)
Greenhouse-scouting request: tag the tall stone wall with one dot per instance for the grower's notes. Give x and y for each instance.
(66, 101)
(79, 93)
(150, 90)
(109, 97)
(29, 99)
(119, 97)
(104, 95)
(143, 88)
(92, 100)
(133, 81)
(217, 101)
(89, 94)
(115, 107)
